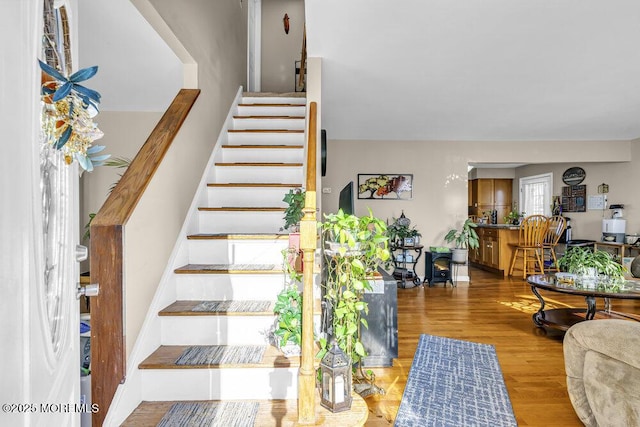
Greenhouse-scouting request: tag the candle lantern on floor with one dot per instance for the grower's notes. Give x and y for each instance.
(335, 371)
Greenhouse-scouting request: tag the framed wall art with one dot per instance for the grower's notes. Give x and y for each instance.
(385, 186)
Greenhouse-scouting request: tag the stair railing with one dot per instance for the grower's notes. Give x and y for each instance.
(308, 244)
(108, 340)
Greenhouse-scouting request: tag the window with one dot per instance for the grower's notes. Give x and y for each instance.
(535, 194)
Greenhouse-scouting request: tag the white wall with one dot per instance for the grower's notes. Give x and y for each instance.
(137, 70)
(621, 178)
(439, 171)
(281, 50)
(215, 35)
(124, 134)
(506, 173)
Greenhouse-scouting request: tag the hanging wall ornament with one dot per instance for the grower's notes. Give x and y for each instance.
(285, 20)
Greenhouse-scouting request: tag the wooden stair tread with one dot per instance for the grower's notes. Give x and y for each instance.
(238, 236)
(259, 147)
(271, 117)
(165, 357)
(252, 184)
(278, 412)
(272, 105)
(231, 269)
(184, 308)
(268, 164)
(265, 131)
(241, 209)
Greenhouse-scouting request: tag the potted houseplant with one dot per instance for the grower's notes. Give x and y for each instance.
(400, 229)
(359, 246)
(514, 217)
(287, 328)
(464, 239)
(586, 265)
(293, 212)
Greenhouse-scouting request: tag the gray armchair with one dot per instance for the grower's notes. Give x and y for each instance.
(602, 361)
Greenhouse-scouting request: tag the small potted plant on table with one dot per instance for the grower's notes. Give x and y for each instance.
(585, 266)
(401, 229)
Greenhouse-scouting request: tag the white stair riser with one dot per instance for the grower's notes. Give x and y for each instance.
(257, 174)
(286, 155)
(265, 138)
(266, 110)
(222, 287)
(240, 222)
(218, 384)
(247, 196)
(236, 251)
(298, 100)
(274, 123)
(216, 330)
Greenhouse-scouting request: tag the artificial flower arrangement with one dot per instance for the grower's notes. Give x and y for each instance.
(67, 116)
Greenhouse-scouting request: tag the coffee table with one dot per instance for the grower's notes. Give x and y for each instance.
(564, 318)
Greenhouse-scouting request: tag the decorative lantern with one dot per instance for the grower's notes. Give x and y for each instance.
(335, 371)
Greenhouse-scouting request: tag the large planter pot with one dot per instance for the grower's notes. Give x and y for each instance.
(289, 349)
(588, 278)
(459, 255)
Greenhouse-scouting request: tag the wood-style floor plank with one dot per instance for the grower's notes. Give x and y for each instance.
(496, 311)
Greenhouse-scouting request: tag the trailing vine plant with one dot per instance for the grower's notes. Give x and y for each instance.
(358, 246)
(288, 306)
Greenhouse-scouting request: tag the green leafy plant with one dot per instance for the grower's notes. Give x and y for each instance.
(397, 231)
(288, 306)
(363, 246)
(466, 237)
(115, 162)
(512, 217)
(295, 204)
(288, 311)
(577, 260)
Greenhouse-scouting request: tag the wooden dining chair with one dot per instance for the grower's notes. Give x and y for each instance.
(557, 225)
(529, 247)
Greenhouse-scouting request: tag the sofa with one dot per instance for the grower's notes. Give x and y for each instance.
(602, 362)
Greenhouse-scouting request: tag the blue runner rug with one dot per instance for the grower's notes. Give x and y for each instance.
(454, 383)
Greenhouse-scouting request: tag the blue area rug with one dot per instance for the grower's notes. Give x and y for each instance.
(454, 383)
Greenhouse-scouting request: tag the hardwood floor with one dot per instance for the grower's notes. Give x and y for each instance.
(494, 311)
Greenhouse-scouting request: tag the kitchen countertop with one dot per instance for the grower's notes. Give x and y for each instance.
(500, 226)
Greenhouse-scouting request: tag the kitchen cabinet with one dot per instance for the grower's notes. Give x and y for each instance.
(490, 249)
(496, 248)
(489, 194)
(485, 192)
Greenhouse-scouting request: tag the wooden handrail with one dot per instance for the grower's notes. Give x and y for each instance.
(308, 243)
(312, 146)
(108, 345)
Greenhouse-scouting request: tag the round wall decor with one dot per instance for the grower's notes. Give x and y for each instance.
(573, 176)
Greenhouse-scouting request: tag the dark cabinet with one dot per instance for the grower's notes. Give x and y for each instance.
(381, 338)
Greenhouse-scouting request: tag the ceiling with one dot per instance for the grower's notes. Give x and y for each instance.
(478, 70)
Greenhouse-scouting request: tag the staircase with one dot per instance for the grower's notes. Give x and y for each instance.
(225, 279)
